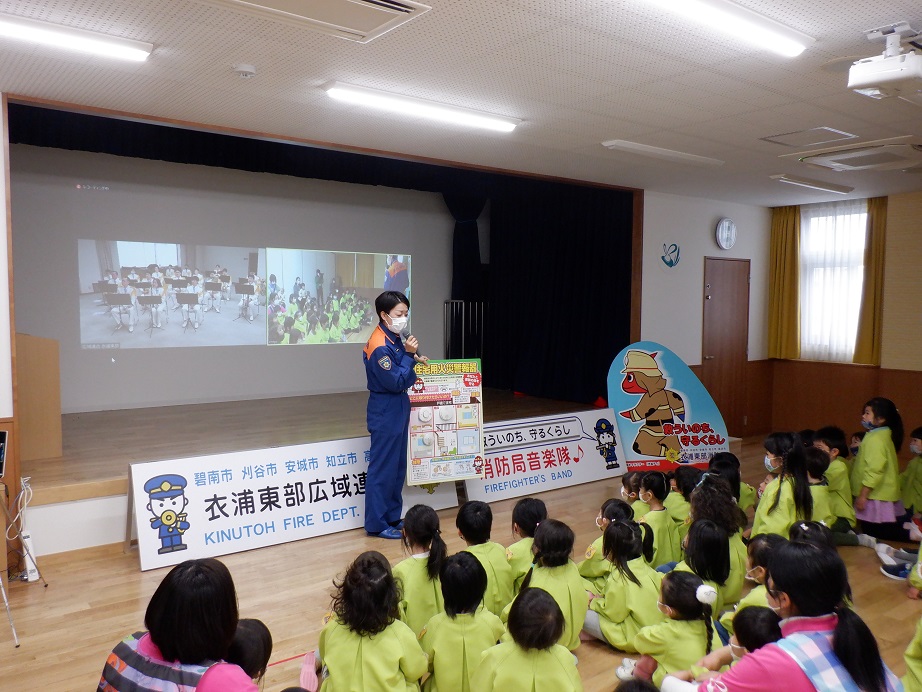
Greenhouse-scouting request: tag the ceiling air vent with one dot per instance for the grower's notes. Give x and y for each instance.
(355, 20)
(897, 153)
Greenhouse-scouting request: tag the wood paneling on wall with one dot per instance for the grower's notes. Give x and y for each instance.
(759, 396)
(810, 394)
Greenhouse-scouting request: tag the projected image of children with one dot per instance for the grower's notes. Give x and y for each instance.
(337, 306)
(158, 295)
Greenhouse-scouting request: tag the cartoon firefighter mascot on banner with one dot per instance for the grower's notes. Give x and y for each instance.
(657, 406)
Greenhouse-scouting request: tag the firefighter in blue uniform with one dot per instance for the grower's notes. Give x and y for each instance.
(167, 496)
(389, 367)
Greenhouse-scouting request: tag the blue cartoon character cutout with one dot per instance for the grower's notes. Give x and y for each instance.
(167, 502)
(605, 436)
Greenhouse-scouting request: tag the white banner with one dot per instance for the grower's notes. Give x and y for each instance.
(534, 455)
(227, 503)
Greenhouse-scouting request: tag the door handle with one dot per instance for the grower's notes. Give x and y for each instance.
(709, 357)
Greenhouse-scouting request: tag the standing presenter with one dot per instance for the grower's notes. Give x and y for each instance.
(389, 365)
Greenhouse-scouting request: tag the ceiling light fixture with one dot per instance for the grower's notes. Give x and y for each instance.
(812, 184)
(69, 38)
(660, 153)
(742, 23)
(431, 110)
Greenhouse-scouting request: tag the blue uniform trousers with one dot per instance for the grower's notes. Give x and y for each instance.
(388, 423)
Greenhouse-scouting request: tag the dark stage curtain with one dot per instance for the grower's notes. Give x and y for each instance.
(560, 289)
(465, 265)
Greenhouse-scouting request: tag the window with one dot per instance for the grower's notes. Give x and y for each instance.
(135, 254)
(832, 240)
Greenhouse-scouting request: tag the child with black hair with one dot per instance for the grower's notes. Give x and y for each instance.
(685, 637)
(635, 685)
(475, 522)
(831, 440)
(595, 567)
(813, 532)
(817, 461)
(533, 661)
(526, 515)
(759, 553)
(911, 478)
(455, 639)
(419, 574)
(629, 600)
(556, 573)
(667, 546)
(787, 498)
(854, 444)
(364, 645)
(727, 466)
(713, 500)
(251, 648)
(707, 555)
(677, 503)
(630, 493)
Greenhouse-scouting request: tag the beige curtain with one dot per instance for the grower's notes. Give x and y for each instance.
(784, 279)
(867, 344)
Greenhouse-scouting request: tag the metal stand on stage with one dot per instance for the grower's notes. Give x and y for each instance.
(249, 293)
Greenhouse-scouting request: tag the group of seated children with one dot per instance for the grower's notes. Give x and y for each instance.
(303, 321)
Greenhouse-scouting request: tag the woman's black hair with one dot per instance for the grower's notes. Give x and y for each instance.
(712, 499)
(708, 551)
(617, 510)
(464, 582)
(817, 462)
(686, 479)
(760, 548)
(527, 514)
(251, 648)
(833, 438)
(815, 580)
(192, 616)
(367, 597)
(621, 543)
(421, 527)
(656, 483)
(812, 532)
(789, 447)
(535, 619)
(886, 409)
(552, 547)
(729, 469)
(680, 592)
(388, 300)
(756, 626)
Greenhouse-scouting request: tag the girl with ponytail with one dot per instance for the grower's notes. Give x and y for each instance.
(787, 498)
(681, 640)
(825, 645)
(628, 601)
(419, 574)
(557, 574)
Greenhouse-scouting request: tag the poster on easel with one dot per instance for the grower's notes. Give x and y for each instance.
(665, 415)
(446, 422)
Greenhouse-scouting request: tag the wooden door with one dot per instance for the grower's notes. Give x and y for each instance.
(725, 338)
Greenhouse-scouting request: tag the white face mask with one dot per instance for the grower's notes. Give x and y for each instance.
(750, 576)
(915, 449)
(737, 652)
(398, 324)
(598, 522)
(769, 462)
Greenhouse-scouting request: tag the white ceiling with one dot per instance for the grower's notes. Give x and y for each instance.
(578, 72)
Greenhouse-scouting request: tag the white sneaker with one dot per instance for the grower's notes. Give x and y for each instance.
(195, 325)
(130, 329)
(626, 670)
(867, 541)
(185, 323)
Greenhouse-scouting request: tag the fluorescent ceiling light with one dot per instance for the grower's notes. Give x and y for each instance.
(812, 184)
(742, 23)
(69, 38)
(659, 153)
(431, 110)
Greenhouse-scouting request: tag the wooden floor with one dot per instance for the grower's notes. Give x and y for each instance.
(99, 446)
(98, 595)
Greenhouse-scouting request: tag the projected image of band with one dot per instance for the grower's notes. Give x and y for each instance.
(154, 295)
(317, 297)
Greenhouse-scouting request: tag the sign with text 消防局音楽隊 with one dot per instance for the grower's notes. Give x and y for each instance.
(446, 422)
(227, 503)
(665, 415)
(533, 455)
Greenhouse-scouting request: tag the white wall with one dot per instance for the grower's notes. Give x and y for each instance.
(196, 205)
(672, 303)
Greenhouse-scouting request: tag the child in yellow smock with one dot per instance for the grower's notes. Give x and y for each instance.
(667, 546)
(526, 515)
(759, 551)
(911, 477)
(630, 493)
(707, 555)
(787, 498)
(817, 462)
(595, 568)
(685, 479)
(475, 522)
(831, 440)
(421, 592)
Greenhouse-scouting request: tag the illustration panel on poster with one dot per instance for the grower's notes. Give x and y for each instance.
(664, 414)
(446, 422)
(533, 455)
